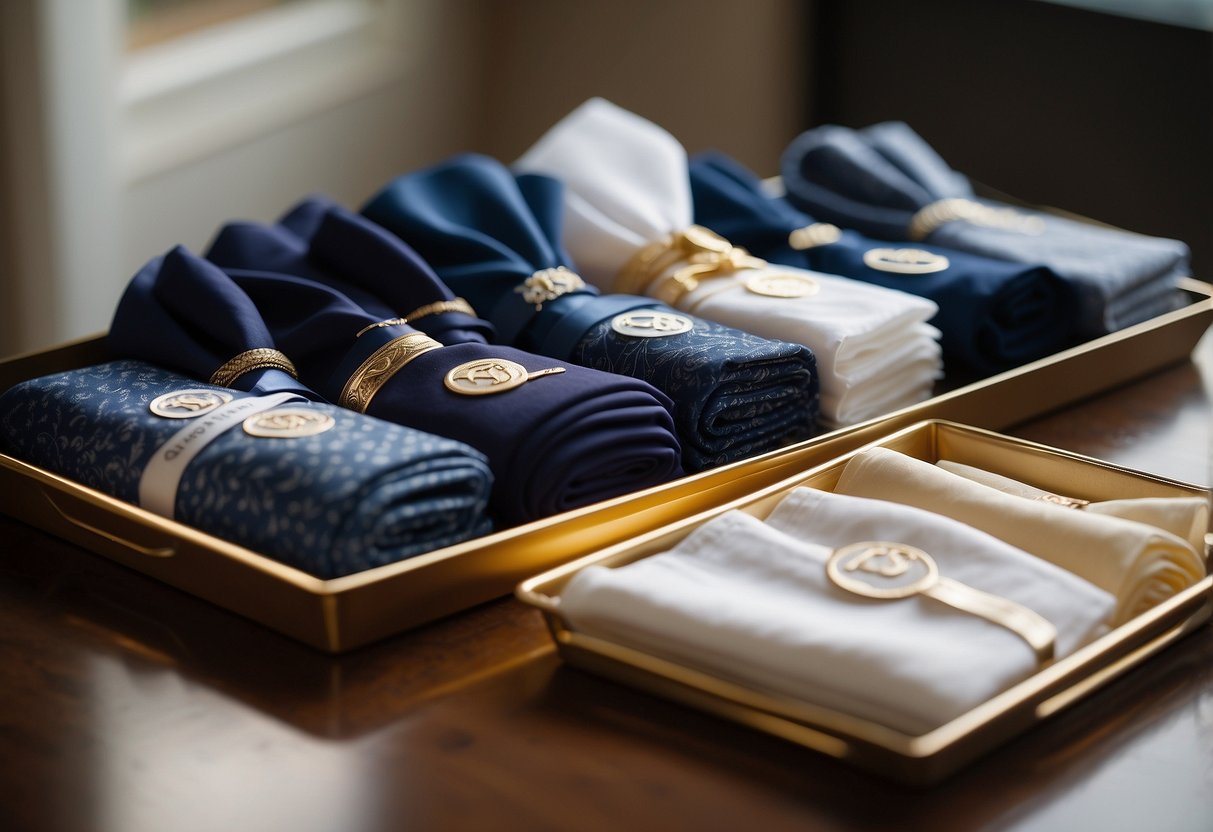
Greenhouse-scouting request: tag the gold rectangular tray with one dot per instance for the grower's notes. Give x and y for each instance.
(343, 613)
(917, 759)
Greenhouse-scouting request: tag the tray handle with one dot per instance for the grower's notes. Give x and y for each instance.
(139, 548)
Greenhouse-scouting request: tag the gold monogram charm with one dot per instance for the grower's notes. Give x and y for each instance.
(186, 404)
(288, 423)
(491, 375)
(1064, 502)
(782, 285)
(889, 571)
(548, 284)
(649, 323)
(904, 260)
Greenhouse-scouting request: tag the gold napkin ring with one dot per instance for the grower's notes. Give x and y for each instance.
(380, 366)
(548, 284)
(887, 571)
(440, 306)
(930, 217)
(262, 358)
(704, 253)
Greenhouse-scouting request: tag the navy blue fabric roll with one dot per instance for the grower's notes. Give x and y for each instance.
(994, 314)
(323, 242)
(554, 443)
(173, 315)
(493, 237)
(886, 181)
(362, 493)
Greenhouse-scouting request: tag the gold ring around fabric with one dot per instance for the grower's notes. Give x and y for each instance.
(704, 255)
(262, 358)
(956, 209)
(438, 307)
(380, 366)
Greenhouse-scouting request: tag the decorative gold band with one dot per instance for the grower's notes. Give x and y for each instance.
(816, 234)
(262, 358)
(932, 216)
(703, 253)
(380, 366)
(438, 307)
(379, 324)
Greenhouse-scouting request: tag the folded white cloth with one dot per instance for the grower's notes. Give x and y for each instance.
(1186, 517)
(627, 186)
(750, 602)
(1139, 564)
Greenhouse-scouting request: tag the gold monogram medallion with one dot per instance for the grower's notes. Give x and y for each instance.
(651, 323)
(782, 285)
(904, 260)
(187, 404)
(877, 569)
(288, 423)
(491, 375)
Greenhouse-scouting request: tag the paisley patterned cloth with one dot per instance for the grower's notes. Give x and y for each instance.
(362, 494)
(993, 314)
(486, 232)
(878, 179)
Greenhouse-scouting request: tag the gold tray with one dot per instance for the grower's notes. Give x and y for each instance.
(343, 613)
(932, 756)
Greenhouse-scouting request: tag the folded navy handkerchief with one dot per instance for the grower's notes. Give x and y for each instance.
(886, 181)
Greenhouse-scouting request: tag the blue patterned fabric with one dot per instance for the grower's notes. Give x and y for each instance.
(876, 179)
(362, 494)
(485, 231)
(553, 444)
(994, 314)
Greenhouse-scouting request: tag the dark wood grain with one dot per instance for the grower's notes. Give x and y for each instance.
(127, 705)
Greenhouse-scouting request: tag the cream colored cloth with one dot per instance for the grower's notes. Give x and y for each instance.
(1186, 517)
(750, 602)
(627, 186)
(1141, 565)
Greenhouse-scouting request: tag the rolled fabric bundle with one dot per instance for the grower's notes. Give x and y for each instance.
(321, 241)
(314, 486)
(993, 314)
(887, 182)
(557, 436)
(1185, 517)
(1140, 565)
(752, 603)
(495, 239)
(205, 329)
(628, 214)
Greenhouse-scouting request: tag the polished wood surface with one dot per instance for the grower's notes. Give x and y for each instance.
(126, 705)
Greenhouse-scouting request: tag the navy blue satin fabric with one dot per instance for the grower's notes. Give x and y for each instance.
(553, 444)
(876, 179)
(321, 241)
(180, 312)
(359, 495)
(485, 231)
(994, 314)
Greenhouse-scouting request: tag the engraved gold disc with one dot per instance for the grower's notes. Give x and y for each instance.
(904, 260)
(782, 285)
(651, 323)
(187, 404)
(288, 423)
(491, 375)
(878, 569)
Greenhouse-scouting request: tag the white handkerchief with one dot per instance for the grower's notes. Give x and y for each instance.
(1186, 517)
(1141, 565)
(627, 186)
(748, 602)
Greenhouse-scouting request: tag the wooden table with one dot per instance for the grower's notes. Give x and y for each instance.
(126, 705)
